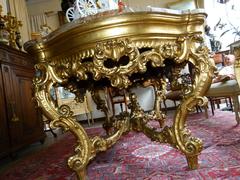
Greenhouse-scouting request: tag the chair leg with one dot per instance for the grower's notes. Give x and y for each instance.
(236, 108)
(206, 111)
(212, 106)
(164, 103)
(53, 133)
(165, 106)
(231, 104)
(126, 108)
(175, 104)
(198, 108)
(91, 117)
(88, 119)
(113, 109)
(121, 107)
(218, 104)
(226, 101)
(49, 129)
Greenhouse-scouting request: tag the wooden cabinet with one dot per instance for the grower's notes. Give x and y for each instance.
(20, 120)
(4, 137)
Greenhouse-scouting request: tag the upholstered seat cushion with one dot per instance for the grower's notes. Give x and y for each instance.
(223, 88)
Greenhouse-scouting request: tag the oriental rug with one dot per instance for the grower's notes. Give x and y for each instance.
(136, 157)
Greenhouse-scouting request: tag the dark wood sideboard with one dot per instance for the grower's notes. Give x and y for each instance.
(20, 120)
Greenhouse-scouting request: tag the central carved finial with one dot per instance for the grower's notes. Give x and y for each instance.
(114, 49)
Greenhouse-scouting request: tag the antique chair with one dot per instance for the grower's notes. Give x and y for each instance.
(117, 96)
(65, 98)
(174, 88)
(216, 101)
(47, 126)
(227, 89)
(175, 94)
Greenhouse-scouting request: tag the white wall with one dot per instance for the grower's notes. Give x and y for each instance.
(145, 98)
(142, 4)
(38, 7)
(4, 6)
(229, 13)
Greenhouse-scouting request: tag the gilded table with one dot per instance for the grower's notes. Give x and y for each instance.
(122, 50)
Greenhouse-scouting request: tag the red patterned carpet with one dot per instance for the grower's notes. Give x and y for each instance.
(136, 157)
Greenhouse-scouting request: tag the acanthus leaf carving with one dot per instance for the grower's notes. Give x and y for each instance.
(114, 50)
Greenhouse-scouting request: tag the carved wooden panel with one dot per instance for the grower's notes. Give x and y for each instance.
(4, 138)
(20, 122)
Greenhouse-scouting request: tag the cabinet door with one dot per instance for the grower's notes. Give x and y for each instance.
(4, 137)
(24, 122)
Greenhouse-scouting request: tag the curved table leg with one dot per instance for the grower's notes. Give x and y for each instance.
(192, 146)
(179, 136)
(86, 148)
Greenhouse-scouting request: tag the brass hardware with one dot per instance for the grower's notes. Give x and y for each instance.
(13, 109)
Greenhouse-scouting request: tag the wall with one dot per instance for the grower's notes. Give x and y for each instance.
(145, 98)
(4, 6)
(38, 7)
(142, 4)
(224, 21)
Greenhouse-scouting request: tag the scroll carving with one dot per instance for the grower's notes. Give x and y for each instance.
(116, 60)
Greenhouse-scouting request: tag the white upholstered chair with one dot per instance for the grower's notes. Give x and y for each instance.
(76, 107)
(230, 88)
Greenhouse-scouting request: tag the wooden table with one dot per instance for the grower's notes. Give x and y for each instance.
(122, 51)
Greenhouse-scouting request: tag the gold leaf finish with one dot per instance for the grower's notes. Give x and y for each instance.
(124, 51)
